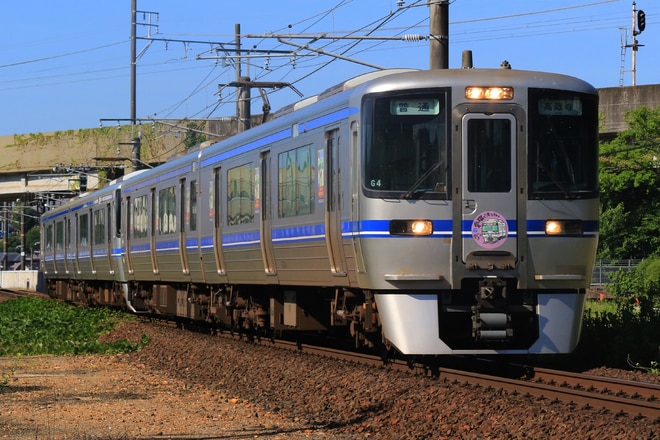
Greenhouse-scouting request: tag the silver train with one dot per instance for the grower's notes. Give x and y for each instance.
(435, 212)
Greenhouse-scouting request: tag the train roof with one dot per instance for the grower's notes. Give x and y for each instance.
(338, 88)
(445, 77)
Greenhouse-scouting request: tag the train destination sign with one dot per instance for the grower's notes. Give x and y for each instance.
(414, 107)
(560, 107)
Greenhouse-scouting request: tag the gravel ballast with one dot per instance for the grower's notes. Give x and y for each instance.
(190, 385)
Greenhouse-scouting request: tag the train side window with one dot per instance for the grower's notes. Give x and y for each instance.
(99, 226)
(295, 189)
(140, 217)
(240, 195)
(167, 210)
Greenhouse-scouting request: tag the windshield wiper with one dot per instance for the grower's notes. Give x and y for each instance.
(559, 184)
(409, 194)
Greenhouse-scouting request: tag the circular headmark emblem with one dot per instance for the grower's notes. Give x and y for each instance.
(489, 229)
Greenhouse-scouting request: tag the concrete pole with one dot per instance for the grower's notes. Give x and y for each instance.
(22, 207)
(244, 111)
(5, 230)
(240, 92)
(439, 30)
(135, 140)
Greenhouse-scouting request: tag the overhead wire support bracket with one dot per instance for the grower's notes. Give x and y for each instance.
(332, 54)
(408, 37)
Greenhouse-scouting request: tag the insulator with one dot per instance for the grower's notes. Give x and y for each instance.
(413, 37)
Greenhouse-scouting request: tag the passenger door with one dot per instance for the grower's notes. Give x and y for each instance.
(489, 198)
(266, 208)
(333, 230)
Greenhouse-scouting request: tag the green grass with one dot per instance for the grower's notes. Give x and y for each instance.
(595, 307)
(36, 326)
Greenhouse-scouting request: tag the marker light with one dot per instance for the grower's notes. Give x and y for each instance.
(411, 227)
(563, 227)
(489, 93)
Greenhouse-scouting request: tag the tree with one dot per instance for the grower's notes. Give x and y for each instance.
(194, 135)
(630, 188)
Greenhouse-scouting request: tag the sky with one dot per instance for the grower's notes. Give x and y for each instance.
(66, 65)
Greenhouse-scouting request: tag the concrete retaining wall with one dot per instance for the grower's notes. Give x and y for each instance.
(32, 280)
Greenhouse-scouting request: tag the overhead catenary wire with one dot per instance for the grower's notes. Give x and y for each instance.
(71, 67)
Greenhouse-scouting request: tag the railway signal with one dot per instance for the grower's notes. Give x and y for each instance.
(641, 22)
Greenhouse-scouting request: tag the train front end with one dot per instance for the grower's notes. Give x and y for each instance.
(478, 209)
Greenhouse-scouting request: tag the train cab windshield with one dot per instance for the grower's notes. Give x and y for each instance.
(563, 145)
(405, 145)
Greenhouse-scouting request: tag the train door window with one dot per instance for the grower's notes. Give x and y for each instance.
(83, 229)
(108, 229)
(129, 219)
(99, 226)
(153, 213)
(295, 190)
(48, 236)
(167, 215)
(59, 236)
(192, 205)
(240, 195)
(67, 234)
(214, 198)
(184, 206)
(77, 223)
(140, 217)
(117, 213)
(489, 155)
(129, 234)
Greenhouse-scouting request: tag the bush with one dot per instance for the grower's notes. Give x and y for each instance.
(34, 326)
(625, 334)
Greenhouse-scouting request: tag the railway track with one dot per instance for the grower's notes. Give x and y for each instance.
(588, 391)
(634, 398)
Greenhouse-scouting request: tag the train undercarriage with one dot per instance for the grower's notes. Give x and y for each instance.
(485, 314)
(253, 310)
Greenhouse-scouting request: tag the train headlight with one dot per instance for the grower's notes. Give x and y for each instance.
(411, 227)
(489, 93)
(563, 227)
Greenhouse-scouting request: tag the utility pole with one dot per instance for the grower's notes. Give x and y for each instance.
(243, 114)
(439, 30)
(135, 140)
(22, 236)
(5, 235)
(136, 143)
